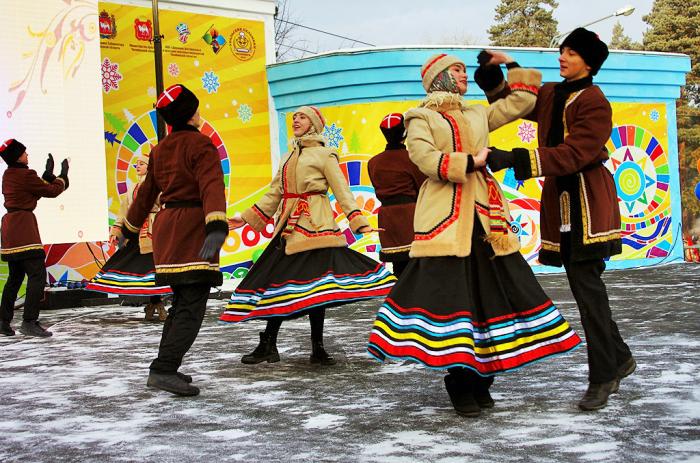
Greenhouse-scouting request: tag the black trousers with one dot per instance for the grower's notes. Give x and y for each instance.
(35, 271)
(181, 327)
(606, 349)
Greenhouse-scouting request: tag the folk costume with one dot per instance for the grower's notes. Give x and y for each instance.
(396, 182)
(580, 216)
(188, 231)
(131, 270)
(307, 267)
(21, 244)
(468, 301)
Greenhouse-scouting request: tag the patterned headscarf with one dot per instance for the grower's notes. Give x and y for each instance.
(444, 82)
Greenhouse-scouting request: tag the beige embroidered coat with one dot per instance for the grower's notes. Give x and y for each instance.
(442, 135)
(298, 198)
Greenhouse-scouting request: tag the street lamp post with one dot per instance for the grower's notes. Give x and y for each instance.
(624, 11)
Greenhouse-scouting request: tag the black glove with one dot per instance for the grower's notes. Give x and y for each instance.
(212, 244)
(483, 57)
(64, 172)
(48, 172)
(500, 159)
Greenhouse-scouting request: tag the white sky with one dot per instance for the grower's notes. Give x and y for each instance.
(412, 22)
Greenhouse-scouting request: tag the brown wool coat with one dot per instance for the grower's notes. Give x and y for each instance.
(444, 218)
(579, 193)
(184, 166)
(396, 178)
(310, 168)
(22, 188)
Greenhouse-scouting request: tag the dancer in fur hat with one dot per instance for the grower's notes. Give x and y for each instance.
(467, 302)
(185, 172)
(580, 216)
(131, 271)
(21, 244)
(307, 267)
(396, 182)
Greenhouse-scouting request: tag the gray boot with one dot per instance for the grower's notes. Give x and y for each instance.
(171, 383)
(34, 329)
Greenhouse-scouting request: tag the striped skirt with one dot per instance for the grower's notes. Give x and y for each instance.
(128, 272)
(281, 285)
(481, 312)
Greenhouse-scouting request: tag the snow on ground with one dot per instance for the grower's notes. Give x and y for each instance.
(81, 395)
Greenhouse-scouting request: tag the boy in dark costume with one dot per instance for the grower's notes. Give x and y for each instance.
(21, 244)
(580, 217)
(188, 231)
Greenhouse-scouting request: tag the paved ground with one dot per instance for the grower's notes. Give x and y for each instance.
(81, 396)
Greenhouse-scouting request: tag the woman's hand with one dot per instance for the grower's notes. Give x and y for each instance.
(235, 222)
(367, 229)
(480, 158)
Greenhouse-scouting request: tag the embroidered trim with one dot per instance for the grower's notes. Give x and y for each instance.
(588, 236)
(521, 87)
(396, 250)
(354, 214)
(260, 213)
(550, 246)
(535, 163)
(216, 215)
(130, 227)
(180, 268)
(565, 211)
(28, 247)
(443, 166)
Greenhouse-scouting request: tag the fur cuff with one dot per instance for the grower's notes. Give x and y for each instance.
(453, 167)
(525, 80)
(255, 218)
(357, 221)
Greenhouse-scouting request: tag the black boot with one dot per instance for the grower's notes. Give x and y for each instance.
(6, 328)
(171, 383)
(265, 352)
(461, 395)
(184, 377)
(481, 391)
(596, 397)
(33, 328)
(319, 355)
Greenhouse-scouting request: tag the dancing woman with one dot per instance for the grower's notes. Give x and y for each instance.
(307, 267)
(468, 301)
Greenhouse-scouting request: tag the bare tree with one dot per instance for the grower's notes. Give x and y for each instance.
(285, 25)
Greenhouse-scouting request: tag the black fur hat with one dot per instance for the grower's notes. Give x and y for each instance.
(587, 44)
(11, 150)
(177, 104)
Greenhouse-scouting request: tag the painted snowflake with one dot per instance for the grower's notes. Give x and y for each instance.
(526, 132)
(654, 115)
(245, 113)
(110, 75)
(173, 69)
(333, 135)
(210, 82)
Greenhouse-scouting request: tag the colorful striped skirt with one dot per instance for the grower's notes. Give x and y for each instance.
(481, 312)
(281, 285)
(128, 272)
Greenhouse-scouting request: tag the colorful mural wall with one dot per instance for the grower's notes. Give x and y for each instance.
(639, 162)
(222, 60)
(233, 94)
